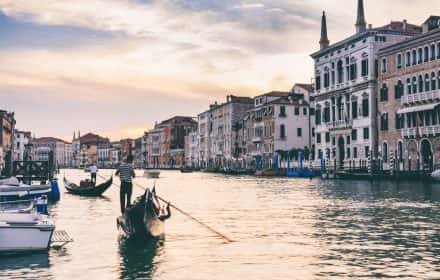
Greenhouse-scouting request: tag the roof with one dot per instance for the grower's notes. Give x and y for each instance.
(275, 94)
(92, 138)
(49, 139)
(178, 119)
(308, 87)
(395, 27)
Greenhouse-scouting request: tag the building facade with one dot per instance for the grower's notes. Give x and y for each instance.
(7, 128)
(409, 101)
(345, 90)
(218, 146)
(89, 146)
(192, 149)
(54, 150)
(22, 141)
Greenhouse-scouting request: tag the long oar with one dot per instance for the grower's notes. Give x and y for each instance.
(185, 214)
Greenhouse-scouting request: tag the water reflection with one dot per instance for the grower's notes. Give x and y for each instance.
(25, 266)
(137, 257)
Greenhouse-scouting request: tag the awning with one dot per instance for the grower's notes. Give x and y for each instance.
(426, 107)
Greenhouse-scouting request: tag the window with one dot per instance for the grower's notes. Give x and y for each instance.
(414, 85)
(327, 114)
(282, 111)
(433, 81)
(398, 90)
(408, 86)
(420, 56)
(399, 61)
(340, 69)
(365, 108)
(327, 137)
(400, 121)
(355, 152)
(305, 111)
(364, 67)
(318, 117)
(420, 83)
(353, 71)
(366, 133)
(384, 93)
(432, 52)
(426, 54)
(354, 134)
(438, 51)
(414, 57)
(296, 111)
(427, 82)
(299, 132)
(326, 80)
(408, 59)
(384, 122)
(384, 65)
(354, 109)
(318, 83)
(367, 151)
(282, 131)
(318, 138)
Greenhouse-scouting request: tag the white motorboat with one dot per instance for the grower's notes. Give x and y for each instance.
(436, 175)
(25, 232)
(152, 174)
(11, 189)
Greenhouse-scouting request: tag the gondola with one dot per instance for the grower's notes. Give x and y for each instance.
(87, 189)
(186, 170)
(144, 219)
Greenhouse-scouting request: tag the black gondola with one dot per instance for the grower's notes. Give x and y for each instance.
(143, 219)
(88, 189)
(186, 170)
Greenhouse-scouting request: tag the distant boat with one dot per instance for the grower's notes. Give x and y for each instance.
(186, 170)
(266, 172)
(143, 219)
(86, 188)
(436, 175)
(152, 174)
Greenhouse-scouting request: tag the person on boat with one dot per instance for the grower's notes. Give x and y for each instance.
(126, 173)
(93, 170)
(165, 213)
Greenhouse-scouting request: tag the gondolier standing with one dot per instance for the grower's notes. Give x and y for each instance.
(93, 170)
(126, 173)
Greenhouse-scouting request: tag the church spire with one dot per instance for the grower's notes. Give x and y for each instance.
(324, 42)
(361, 24)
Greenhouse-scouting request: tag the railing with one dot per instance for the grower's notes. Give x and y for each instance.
(257, 139)
(421, 97)
(429, 130)
(409, 132)
(341, 124)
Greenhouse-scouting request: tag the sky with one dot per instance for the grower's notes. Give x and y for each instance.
(115, 67)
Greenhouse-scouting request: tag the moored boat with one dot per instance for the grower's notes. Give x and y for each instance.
(144, 218)
(86, 188)
(11, 189)
(25, 232)
(436, 175)
(186, 170)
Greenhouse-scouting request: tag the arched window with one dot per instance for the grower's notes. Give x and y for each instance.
(433, 81)
(408, 58)
(426, 54)
(432, 52)
(420, 55)
(420, 83)
(400, 151)
(414, 80)
(385, 152)
(398, 90)
(340, 68)
(438, 51)
(414, 57)
(427, 82)
(408, 86)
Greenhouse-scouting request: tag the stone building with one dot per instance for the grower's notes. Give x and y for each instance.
(192, 149)
(217, 128)
(345, 89)
(408, 101)
(89, 147)
(44, 147)
(7, 127)
(22, 141)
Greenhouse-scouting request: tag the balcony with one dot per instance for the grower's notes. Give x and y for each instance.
(421, 97)
(341, 124)
(433, 130)
(257, 139)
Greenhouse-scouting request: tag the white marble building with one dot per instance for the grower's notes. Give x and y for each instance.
(345, 89)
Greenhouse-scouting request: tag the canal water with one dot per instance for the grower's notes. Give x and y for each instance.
(283, 229)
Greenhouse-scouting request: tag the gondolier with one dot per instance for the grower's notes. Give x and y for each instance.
(126, 173)
(93, 170)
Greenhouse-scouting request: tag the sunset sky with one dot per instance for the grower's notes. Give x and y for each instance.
(114, 67)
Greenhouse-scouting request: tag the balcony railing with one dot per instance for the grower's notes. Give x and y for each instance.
(257, 139)
(341, 124)
(421, 97)
(422, 131)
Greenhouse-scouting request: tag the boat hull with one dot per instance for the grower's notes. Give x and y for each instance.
(25, 193)
(22, 237)
(92, 191)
